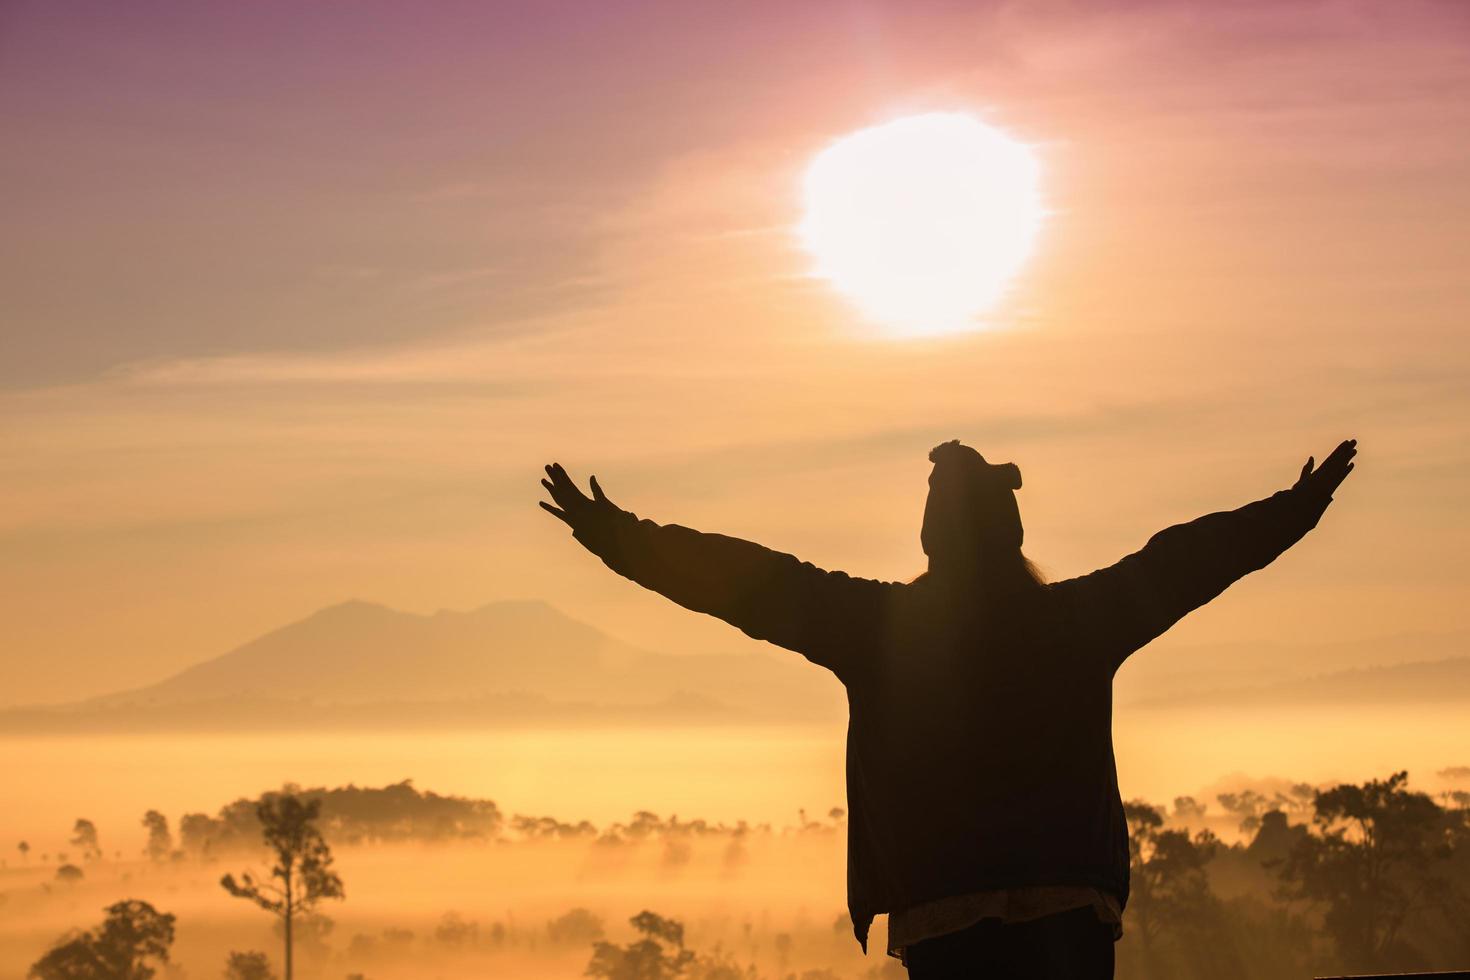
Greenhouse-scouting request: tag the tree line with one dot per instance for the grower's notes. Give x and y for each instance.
(1370, 877)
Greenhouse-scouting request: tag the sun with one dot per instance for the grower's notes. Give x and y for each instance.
(922, 221)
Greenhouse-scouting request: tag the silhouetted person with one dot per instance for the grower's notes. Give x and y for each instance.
(984, 809)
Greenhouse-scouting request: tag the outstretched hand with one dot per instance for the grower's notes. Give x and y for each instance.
(573, 507)
(1324, 480)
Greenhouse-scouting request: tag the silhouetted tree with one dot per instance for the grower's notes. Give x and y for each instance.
(576, 927)
(303, 869)
(197, 834)
(84, 836)
(133, 933)
(1382, 856)
(455, 930)
(251, 965)
(25, 850)
(1171, 905)
(1188, 808)
(309, 934)
(69, 873)
(720, 965)
(160, 841)
(1274, 839)
(1247, 805)
(659, 955)
(353, 815)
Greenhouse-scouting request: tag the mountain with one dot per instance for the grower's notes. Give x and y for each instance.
(1421, 683)
(1166, 670)
(523, 663)
(511, 661)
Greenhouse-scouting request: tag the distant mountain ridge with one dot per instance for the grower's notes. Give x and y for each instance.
(523, 656)
(1169, 671)
(1421, 682)
(525, 663)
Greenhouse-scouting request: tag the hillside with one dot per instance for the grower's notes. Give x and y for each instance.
(1167, 670)
(1424, 682)
(360, 665)
(513, 660)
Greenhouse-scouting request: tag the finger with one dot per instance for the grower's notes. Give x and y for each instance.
(1306, 469)
(566, 479)
(564, 483)
(555, 512)
(1340, 459)
(558, 493)
(1338, 477)
(597, 493)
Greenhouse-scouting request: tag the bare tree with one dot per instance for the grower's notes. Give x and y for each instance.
(303, 875)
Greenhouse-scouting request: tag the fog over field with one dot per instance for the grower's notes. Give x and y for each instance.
(730, 767)
(522, 703)
(455, 887)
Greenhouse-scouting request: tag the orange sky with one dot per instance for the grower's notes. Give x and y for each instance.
(295, 304)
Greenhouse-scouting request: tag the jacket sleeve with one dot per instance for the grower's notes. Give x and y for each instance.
(1124, 606)
(831, 618)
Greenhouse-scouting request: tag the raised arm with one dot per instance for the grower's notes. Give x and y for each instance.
(829, 617)
(1181, 568)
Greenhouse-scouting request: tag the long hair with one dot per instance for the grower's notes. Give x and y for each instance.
(1008, 573)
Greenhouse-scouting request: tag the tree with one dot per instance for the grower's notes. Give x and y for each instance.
(197, 835)
(1188, 808)
(160, 841)
(1382, 857)
(577, 927)
(455, 930)
(303, 870)
(84, 836)
(659, 955)
(69, 873)
(133, 933)
(25, 850)
(1274, 839)
(250, 965)
(1170, 901)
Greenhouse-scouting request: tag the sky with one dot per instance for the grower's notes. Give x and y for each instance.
(295, 301)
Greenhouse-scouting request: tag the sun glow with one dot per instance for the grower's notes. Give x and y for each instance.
(922, 221)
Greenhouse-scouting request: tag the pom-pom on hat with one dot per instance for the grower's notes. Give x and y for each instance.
(954, 452)
(985, 491)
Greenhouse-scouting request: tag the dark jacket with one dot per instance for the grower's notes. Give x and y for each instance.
(979, 745)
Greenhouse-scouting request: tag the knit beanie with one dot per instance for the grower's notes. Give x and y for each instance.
(988, 489)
